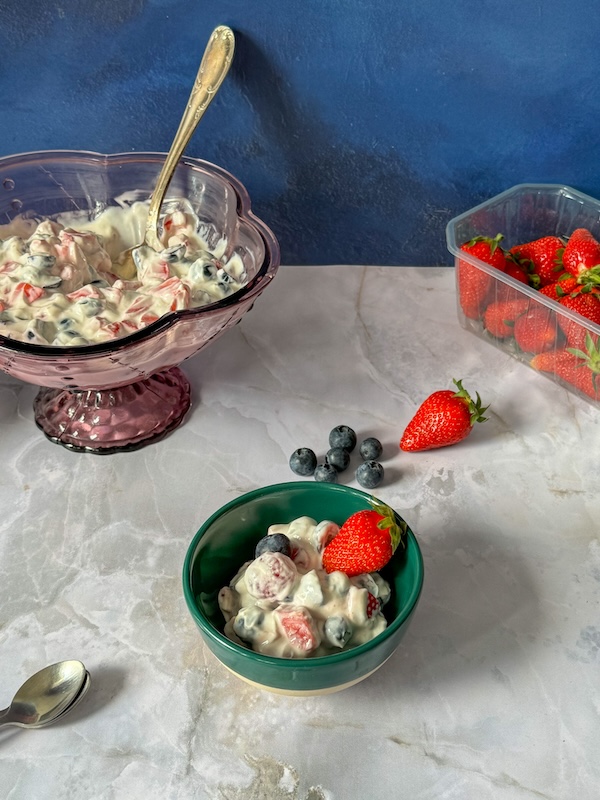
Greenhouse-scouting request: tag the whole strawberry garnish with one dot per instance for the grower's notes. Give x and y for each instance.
(582, 252)
(444, 418)
(365, 542)
(536, 330)
(543, 256)
(474, 285)
(499, 317)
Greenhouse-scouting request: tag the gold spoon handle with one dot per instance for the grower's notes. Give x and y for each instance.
(215, 64)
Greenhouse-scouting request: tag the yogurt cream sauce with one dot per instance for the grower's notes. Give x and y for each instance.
(292, 608)
(59, 282)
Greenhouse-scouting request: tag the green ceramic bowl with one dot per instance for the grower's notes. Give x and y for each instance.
(227, 539)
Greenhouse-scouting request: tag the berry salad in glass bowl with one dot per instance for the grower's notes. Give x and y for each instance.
(105, 346)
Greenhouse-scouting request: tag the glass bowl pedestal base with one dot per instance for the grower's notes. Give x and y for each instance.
(114, 420)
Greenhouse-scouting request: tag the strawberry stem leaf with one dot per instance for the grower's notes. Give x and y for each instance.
(392, 523)
(475, 408)
(492, 243)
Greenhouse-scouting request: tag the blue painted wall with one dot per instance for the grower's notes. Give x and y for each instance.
(360, 127)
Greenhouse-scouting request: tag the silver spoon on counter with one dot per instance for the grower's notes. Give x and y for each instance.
(214, 66)
(47, 695)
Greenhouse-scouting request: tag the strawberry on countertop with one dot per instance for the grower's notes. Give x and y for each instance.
(444, 418)
(365, 542)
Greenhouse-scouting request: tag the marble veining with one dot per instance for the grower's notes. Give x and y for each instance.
(494, 691)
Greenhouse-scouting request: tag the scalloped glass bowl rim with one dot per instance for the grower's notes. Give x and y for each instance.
(290, 663)
(253, 287)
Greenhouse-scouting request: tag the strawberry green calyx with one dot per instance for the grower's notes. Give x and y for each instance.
(589, 279)
(590, 358)
(492, 243)
(395, 526)
(475, 408)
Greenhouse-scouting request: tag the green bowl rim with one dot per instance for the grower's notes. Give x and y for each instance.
(333, 658)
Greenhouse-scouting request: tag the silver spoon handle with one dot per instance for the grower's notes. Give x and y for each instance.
(214, 66)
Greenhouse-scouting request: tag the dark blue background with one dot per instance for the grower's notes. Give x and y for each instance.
(360, 127)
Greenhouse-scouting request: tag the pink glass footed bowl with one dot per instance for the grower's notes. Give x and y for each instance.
(121, 395)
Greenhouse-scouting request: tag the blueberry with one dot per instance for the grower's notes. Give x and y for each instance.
(303, 461)
(90, 306)
(338, 458)
(209, 271)
(370, 449)
(369, 474)
(273, 543)
(343, 436)
(246, 622)
(325, 473)
(337, 631)
(41, 261)
(224, 278)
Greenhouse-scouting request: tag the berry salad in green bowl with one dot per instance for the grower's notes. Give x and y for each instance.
(303, 588)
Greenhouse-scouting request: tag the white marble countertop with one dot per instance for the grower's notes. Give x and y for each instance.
(494, 692)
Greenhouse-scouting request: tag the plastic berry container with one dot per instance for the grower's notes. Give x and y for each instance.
(524, 213)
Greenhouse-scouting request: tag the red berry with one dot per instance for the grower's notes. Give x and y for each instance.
(444, 418)
(499, 318)
(474, 285)
(582, 252)
(373, 605)
(536, 330)
(517, 271)
(365, 542)
(543, 256)
(565, 284)
(579, 368)
(585, 303)
(299, 627)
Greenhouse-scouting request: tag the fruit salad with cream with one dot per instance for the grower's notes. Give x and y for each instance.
(60, 281)
(285, 603)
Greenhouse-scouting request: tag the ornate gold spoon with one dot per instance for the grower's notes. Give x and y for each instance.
(214, 66)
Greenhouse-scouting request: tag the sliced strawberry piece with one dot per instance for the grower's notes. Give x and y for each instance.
(373, 605)
(25, 291)
(298, 627)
